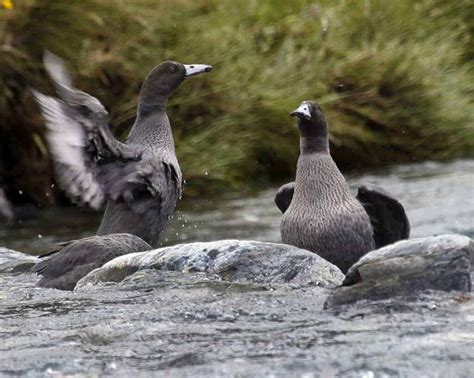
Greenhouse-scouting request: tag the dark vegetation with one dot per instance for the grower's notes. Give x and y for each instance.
(395, 79)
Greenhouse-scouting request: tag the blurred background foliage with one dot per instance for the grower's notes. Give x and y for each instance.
(395, 79)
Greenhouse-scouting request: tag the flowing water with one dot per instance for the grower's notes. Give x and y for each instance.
(438, 198)
(188, 325)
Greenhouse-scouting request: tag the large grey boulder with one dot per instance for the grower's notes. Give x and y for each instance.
(15, 262)
(435, 263)
(230, 260)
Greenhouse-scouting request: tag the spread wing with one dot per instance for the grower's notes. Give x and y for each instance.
(387, 215)
(284, 196)
(91, 165)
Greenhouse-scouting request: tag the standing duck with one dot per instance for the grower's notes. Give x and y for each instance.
(319, 212)
(140, 180)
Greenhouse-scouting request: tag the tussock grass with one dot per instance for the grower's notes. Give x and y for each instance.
(393, 77)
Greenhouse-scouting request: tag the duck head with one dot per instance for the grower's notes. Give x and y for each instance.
(312, 125)
(165, 78)
(309, 111)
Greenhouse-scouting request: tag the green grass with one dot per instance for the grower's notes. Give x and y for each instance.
(393, 77)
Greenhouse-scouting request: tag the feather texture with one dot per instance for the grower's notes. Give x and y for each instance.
(387, 215)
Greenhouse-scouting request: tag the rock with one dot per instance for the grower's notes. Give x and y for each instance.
(15, 262)
(434, 263)
(230, 260)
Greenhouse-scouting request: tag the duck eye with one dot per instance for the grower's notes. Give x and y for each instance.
(173, 69)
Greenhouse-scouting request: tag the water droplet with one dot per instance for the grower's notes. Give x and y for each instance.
(205, 173)
(40, 236)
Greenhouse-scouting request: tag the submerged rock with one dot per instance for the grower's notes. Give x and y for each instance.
(435, 263)
(230, 260)
(15, 262)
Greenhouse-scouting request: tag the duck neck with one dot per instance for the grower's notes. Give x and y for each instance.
(145, 109)
(151, 104)
(313, 137)
(152, 127)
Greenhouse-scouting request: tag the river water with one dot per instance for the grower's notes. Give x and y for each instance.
(438, 198)
(188, 325)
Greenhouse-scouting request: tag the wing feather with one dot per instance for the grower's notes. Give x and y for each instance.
(387, 215)
(67, 141)
(284, 196)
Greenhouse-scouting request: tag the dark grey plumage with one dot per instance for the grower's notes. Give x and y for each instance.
(141, 179)
(78, 257)
(320, 213)
(387, 215)
(284, 196)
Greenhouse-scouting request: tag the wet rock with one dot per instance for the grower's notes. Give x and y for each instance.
(15, 262)
(442, 263)
(230, 260)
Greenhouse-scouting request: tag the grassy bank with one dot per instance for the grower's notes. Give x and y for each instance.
(393, 78)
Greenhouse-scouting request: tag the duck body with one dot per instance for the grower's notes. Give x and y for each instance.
(323, 216)
(76, 258)
(148, 214)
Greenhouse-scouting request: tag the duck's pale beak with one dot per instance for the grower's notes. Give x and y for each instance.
(195, 69)
(302, 112)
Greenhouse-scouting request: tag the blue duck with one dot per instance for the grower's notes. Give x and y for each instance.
(139, 180)
(319, 212)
